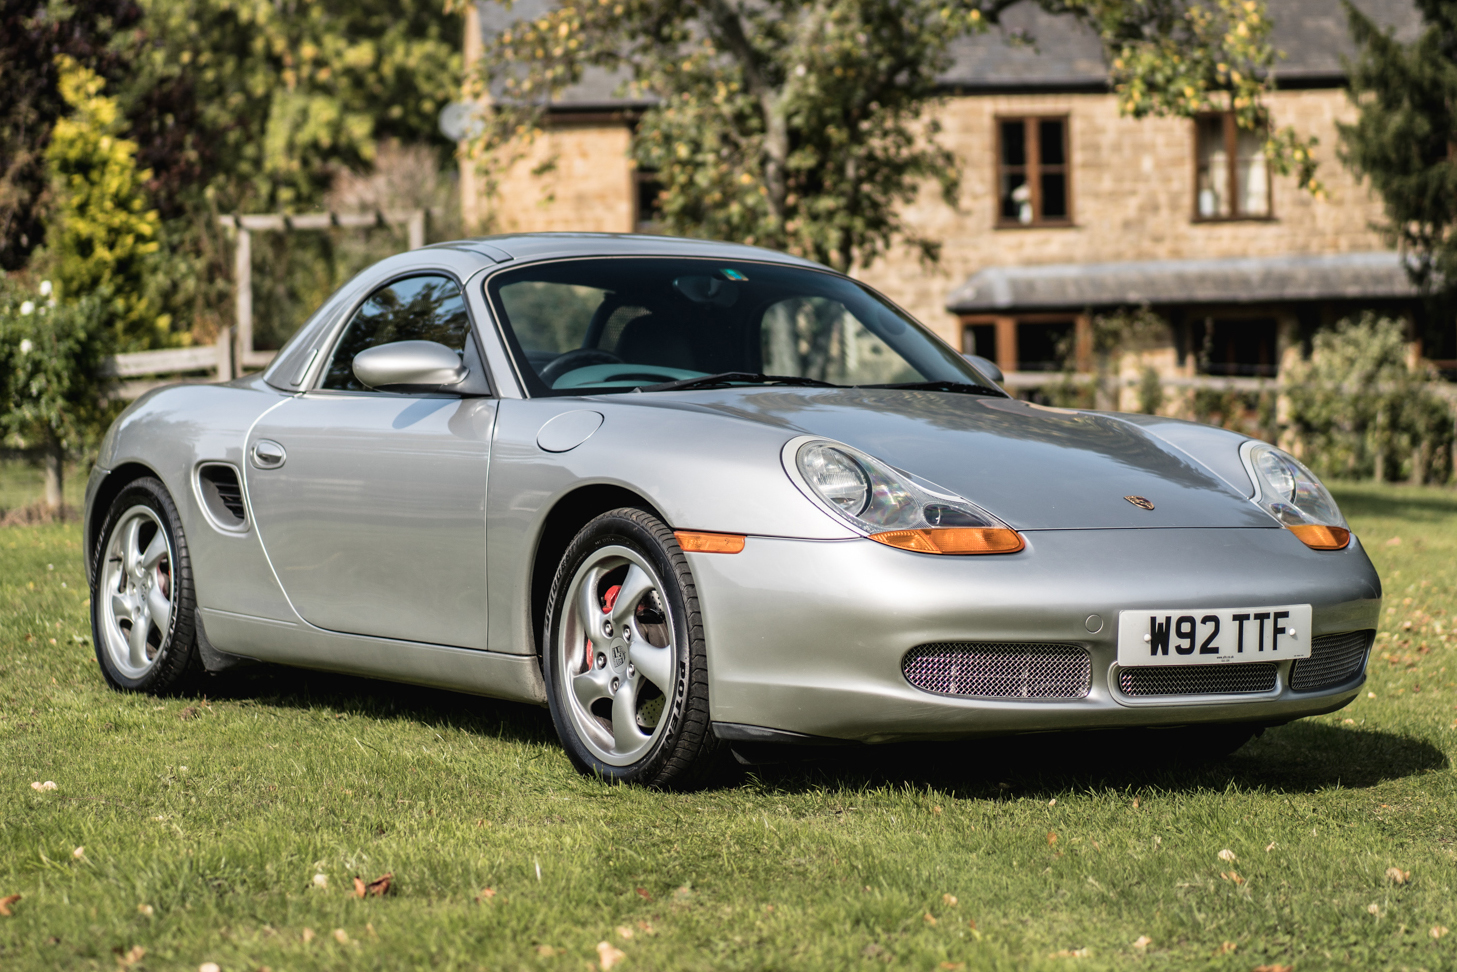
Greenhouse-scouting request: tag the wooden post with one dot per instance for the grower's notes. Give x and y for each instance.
(416, 229)
(471, 202)
(1007, 344)
(225, 370)
(1083, 342)
(243, 292)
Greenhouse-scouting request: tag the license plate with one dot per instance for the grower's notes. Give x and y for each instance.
(1201, 636)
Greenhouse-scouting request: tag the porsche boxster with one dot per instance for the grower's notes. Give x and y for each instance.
(695, 496)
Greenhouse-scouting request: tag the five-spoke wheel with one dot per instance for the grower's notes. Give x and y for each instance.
(141, 599)
(625, 663)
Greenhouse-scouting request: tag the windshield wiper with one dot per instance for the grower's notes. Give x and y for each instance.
(941, 384)
(732, 377)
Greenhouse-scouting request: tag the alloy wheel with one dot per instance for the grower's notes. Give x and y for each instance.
(135, 592)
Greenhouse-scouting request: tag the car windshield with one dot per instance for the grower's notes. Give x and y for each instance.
(612, 325)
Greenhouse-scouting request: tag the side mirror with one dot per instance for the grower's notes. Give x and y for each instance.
(420, 365)
(986, 366)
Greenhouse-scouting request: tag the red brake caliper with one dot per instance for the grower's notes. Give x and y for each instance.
(609, 600)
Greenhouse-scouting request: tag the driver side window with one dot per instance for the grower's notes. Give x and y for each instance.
(424, 308)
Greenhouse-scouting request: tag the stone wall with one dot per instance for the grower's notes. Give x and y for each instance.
(1132, 195)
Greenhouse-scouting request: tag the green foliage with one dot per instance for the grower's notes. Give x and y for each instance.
(1358, 411)
(102, 237)
(52, 354)
(803, 126)
(1405, 96)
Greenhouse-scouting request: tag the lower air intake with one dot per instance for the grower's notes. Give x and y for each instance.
(1241, 679)
(1334, 660)
(1000, 671)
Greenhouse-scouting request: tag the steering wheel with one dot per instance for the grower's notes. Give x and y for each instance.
(572, 360)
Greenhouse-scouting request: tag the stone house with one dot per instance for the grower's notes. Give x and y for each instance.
(1068, 210)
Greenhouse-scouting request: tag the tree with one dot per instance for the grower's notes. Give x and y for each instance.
(103, 238)
(1404, 135)
(802, 126)
(32, 34)
(52, 382)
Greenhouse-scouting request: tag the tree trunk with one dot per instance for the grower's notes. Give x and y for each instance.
(55, 472)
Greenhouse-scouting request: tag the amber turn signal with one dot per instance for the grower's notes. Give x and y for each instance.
(694, 542)
(1322, 537)
(953, 540)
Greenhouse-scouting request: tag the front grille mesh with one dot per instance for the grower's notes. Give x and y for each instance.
(1334, 660)
(1240, 679)
(1000, 671)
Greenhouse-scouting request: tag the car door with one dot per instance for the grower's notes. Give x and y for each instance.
(371, 505)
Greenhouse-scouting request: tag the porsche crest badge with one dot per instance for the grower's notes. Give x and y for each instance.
(1143, 503)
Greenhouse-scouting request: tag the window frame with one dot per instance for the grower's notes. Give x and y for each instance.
(1032, 148)
(1231, 154)
(319, 363)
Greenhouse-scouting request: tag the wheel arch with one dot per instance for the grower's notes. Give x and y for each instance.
(567, 516)
(116, 480)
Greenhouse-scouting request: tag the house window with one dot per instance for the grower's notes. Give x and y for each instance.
(1232, 180)
(648, 210)
(1032, 172)
(1238, 348)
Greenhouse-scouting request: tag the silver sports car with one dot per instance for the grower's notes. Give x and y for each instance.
(695, 496)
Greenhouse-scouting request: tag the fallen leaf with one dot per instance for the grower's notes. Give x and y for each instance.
(145, 909)
(1142, 942)
(607, 956)
(935, 809)
(132, 957)
(646, 928)
(321, 880)
(341, 936)
(42, 787)
(1135, 803)
(6, 902)
(1051, 838)
(1374, 908)
(1348, 722)
(1397, 876)
(358, 887)
(79, 853)
(1438, 931)
(952, 966)
(1394, 542)
(624, 932)
(1273, 968)
(949, 899)
(545, 951)
(1052, 802)
(1225, 948)
(643, 893)
(1227, 855)
(209, 967)
(1070, 953)
(1269, 847)
(929, 918)
(685, 893)
(486, 894)
(1232, 876)
(308, 935)
(380, 886)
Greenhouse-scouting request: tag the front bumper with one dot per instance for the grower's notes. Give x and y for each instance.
(809, 636)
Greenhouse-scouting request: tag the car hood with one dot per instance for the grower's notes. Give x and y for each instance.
(1037, 468)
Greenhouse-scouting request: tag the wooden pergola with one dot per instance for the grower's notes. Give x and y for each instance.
(243, 228)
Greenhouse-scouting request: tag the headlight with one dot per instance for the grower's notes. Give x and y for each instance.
(1292, 494)
(894, 507)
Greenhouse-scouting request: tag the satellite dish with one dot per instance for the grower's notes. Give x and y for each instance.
(459, 120)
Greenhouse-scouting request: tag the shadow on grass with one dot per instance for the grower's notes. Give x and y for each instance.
(1424, 506)
(280, 687)
(1301, 757)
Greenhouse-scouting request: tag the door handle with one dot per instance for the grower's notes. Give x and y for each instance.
(268, 454)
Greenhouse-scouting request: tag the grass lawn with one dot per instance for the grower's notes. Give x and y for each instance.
(229, 829)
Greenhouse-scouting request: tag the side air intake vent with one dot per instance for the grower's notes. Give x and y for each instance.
(222, 496)
(1334, 660)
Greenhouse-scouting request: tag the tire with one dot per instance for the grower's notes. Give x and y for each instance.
(139, 565)
(634, 707)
